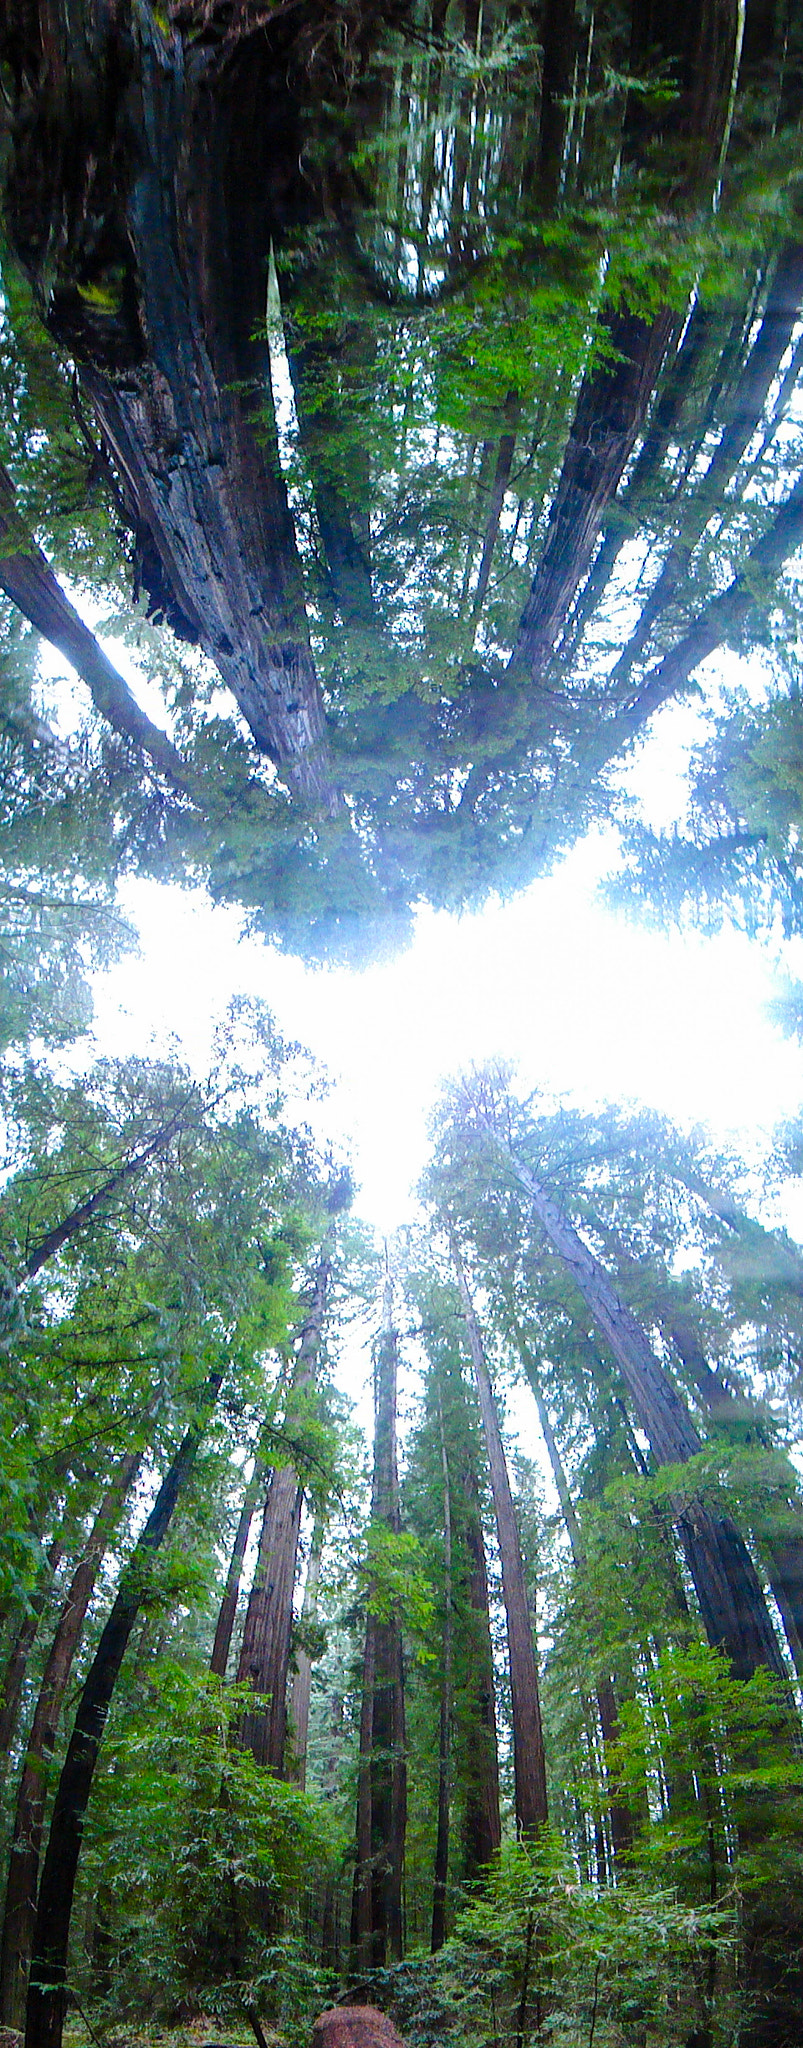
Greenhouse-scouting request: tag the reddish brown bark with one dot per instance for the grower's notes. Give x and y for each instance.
(265, 1653)
(528, 1742)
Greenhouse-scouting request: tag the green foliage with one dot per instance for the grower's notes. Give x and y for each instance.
(198, 1857)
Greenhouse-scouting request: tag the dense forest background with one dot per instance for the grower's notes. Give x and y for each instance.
(414, 393)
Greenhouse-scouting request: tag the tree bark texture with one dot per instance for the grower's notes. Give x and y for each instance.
(160, 295)
(302, 1682)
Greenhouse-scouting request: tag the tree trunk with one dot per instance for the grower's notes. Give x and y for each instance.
(302, 1683)
(483, 1824)
(745, 410)
(27, 578)
(721, 619)
(47, 1995)
(228, 1606)
(77, 1218)
(265, 1653)
(620, 1817)
(20, 1904)
(377, 1915)
(17, 1661)
(732, 1603)
(441, 1873)
(162, 302)
(528, 1743)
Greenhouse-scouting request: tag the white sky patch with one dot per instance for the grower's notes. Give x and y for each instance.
(582, 1001)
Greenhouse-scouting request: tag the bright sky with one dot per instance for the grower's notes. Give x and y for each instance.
(584, 1003)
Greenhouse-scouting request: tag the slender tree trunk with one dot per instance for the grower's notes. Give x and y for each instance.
(528, 1743)
(483, 1824)
(382, 1802)
(265, 1653)
(745, 410)
(228, 1606)
(620, 1817)
(17, 1661)
(438, 1935)
(721, 618)
(77, 1218)
(27, 578)
(20, 1904)
(302, 1683)
(47, 1995)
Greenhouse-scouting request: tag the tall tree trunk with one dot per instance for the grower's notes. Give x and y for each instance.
(732, 1602)
(47, 1995)
(265, 1653)
(302, 1682)
(228, 1605)
(745, 411)
(19, 1919)
(620, 1817)
(76, 1219)
(528, 1742)
(377, 1915)
(483, 1825)
(441, 1873)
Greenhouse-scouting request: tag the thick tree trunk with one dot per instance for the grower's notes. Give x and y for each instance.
(228, 1606)
(160, 295)
(47, 1995)
(265, 1653)
(528, 1742)
(20, 1904)
(441, 1872)
(377, 1914)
